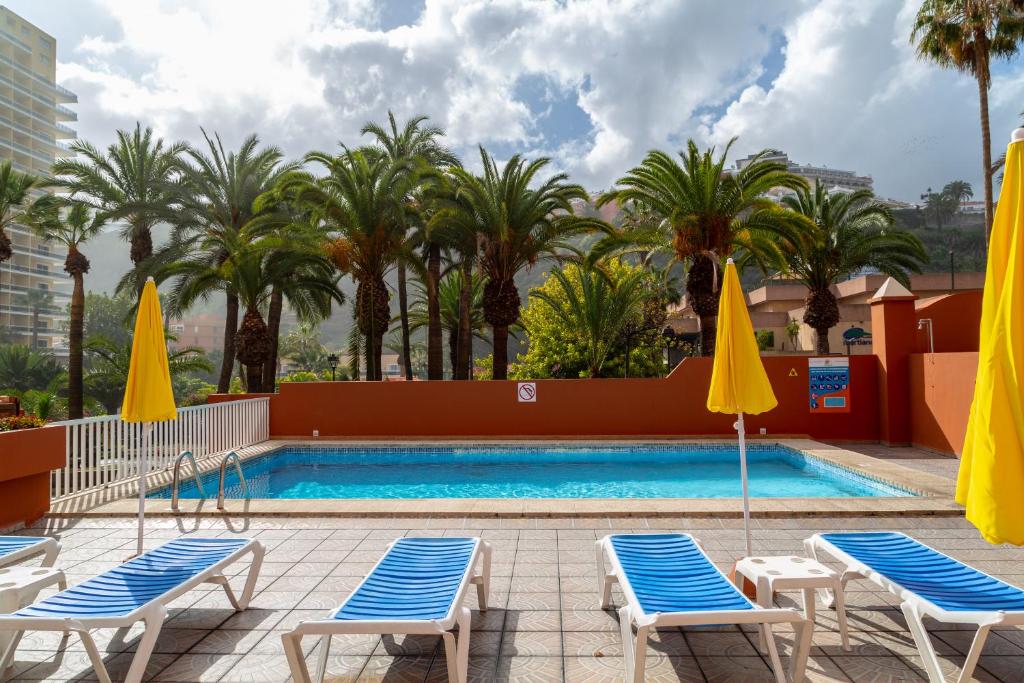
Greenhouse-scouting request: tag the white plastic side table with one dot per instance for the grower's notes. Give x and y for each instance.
(19, 586)
(789, 572)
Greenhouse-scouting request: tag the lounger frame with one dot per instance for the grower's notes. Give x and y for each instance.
(632, 614)
(152, 614)
(47, 547)
(915, 608)
(456, 650)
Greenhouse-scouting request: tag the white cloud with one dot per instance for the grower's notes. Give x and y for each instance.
(646, 73)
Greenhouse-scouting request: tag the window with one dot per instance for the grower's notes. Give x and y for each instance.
(41, 344)
(43, 286)
(42, 268)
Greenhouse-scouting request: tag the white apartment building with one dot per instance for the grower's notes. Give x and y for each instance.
(32, 128)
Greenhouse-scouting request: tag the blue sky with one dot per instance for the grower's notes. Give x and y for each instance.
(593, 84)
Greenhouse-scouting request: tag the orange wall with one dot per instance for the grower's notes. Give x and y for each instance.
(956, 320)
(941, 388)
(673, 406)
(26, 458)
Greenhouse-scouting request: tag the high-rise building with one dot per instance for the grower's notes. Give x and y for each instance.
(33, 285)
(831, 178)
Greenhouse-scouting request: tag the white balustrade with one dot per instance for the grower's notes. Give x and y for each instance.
(104, 450)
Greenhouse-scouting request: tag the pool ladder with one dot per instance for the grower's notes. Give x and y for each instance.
(233, 456)
(176, 480)
(187, 455)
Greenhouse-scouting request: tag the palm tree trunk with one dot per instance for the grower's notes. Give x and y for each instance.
(378, 350)
(75, 331)
(453, 349)
(274, 311)
(708, 334)
(500, 363)
(435, 335)
(986, 152)
(230, 329)
(822, 346)
(464, 346)
(403, 312)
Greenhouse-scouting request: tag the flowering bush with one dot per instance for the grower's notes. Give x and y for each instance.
(10, 424)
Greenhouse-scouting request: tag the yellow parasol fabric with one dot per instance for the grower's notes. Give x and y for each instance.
(739, 383)
(991, 479)
(148, 396)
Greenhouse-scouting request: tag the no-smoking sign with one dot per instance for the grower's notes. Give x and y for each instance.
(527, 392)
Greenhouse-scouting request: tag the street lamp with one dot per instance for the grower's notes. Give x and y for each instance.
(332, 360)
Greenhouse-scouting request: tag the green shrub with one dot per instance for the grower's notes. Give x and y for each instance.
(12, 424)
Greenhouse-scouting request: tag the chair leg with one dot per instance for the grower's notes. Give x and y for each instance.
(99, 668)
(924, 643)
(639, 656)
(483, 582)
(258, 552)
(974, 654)
(153, 622)
(293, 653)
(628, 642)
(7, 657)
(451, 657)
(840, 607)
(773, 652)
(802, 632)
(51, 551)
(325, 653)
(604, 579)
(462, 648)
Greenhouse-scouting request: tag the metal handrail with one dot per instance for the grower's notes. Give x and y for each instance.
(176, 479)
(223, 473)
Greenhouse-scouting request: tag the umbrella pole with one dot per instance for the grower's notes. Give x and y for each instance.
(147, 429)
(743, 477)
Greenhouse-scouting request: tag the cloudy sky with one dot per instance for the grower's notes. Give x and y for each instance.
(591, 83)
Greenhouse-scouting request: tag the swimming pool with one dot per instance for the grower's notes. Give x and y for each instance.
(539, 471)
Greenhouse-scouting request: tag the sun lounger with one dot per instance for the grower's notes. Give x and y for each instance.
(417, 587)
(667, 580)
(138, 590)
(14, 549)
(930, 584)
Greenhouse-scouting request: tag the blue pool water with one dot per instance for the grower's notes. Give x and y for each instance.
(641, 471)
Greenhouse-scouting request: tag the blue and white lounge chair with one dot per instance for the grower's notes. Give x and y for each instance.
(930, 584)
(668, 580)
(416, 588)
(137, 590)
(14, 549)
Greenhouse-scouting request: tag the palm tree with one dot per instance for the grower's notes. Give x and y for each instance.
(967, 35)
(251, 267)
(704, 213)
(418, 143)
(958, 191)
(133, 180)
(360, 204)
(71, 223)
(212, 205)
(450, 300)
(842, 234)
(14, 195)
(37, 301)
(303, 347)
(110, 361)
(515, 225)
(598, 309)
(22, 368)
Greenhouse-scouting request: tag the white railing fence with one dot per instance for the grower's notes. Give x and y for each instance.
(104, 450)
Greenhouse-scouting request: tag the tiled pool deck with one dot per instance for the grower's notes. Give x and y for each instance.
(544, 624)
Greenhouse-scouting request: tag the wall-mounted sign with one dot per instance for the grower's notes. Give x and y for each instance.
(829, 385)
(526, 392)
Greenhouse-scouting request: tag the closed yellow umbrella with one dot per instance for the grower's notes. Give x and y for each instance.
(148, 396)
(739, 383)
(991, 479)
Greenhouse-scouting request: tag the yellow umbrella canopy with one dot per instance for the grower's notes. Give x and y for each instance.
(148, 396)
(739, 383)
(991, 479)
